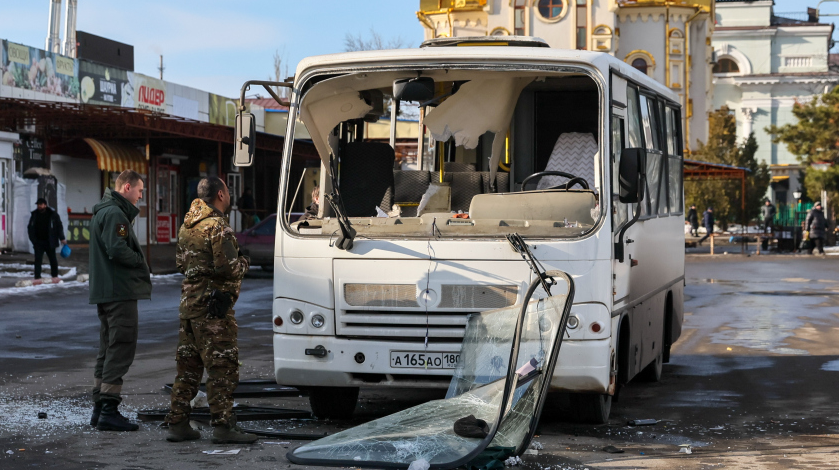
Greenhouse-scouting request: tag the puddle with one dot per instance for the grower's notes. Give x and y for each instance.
(832, 366)
(706, 366)
(702, 399)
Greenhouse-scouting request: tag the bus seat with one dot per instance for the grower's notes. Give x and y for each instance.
(366, 176)
(502, 182)
(555, 205)
(457, 166)
(573, 153)
(408, 187)
(465, 186)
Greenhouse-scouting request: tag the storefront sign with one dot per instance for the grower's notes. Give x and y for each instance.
(78, 229)
(38, 70)
(164, 228)
(222, 110)
(144, 92)
(29, 153)
(101, 84)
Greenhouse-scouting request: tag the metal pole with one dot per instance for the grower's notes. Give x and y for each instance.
(148, 205)
(744, 244)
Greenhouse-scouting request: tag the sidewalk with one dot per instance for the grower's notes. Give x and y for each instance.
(162, 261)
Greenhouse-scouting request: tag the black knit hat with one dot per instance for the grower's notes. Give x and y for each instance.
(41, 201)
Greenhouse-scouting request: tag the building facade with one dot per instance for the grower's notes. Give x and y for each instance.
(668, 40)
(765, 63)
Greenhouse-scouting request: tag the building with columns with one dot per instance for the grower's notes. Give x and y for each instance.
(765, 63)
(668, 40)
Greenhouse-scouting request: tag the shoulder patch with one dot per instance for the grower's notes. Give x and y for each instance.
(122, 230)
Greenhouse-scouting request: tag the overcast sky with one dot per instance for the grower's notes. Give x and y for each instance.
(216, 45)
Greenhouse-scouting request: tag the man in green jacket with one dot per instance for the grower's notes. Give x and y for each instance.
(213, 267)
(119, 276)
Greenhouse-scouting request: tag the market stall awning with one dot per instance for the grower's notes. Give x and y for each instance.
(116, 157)
(779, 178)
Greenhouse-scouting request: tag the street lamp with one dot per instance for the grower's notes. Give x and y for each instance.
(796, 195)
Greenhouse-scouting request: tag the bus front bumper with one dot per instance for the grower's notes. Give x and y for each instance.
(582, 366)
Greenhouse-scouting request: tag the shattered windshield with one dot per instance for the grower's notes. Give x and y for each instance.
(454, 152)
(489, 403)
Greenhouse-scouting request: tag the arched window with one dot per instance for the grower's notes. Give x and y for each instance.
(641, 65)
(726, 65)
(550, 9)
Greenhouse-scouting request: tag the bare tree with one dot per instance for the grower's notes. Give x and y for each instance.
(280, 74)
(372, 43)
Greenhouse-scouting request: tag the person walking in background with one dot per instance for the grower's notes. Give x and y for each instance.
(213, 267)
(768, 211)
(708, 223)
(247, 208)
(119, 276)
(816, 224)
(45, 232)
(693, 220)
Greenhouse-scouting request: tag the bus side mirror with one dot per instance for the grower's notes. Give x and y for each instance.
(633, 165)
(245, 136)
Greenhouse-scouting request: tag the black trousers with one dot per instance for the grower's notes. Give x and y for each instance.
(42, 247)
(816, 243)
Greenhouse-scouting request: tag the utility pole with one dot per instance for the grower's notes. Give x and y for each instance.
(161, 68)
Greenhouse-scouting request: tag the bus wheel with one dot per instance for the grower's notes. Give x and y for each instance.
(591, 408)
(333, 402)
(652, 373)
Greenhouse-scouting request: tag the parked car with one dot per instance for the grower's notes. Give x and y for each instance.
(258, 242)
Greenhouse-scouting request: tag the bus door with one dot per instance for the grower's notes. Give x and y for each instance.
(621, 213)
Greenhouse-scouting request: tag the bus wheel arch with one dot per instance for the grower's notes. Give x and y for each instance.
(668, 327)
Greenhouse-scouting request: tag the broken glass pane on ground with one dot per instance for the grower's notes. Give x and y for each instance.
(506, 361)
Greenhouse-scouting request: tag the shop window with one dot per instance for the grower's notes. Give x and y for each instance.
(582, 21)
(726, 65)
(551, 9)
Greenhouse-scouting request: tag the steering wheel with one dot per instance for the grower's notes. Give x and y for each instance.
(572, 180)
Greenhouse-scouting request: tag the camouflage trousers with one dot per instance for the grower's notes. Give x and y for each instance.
(206, 344)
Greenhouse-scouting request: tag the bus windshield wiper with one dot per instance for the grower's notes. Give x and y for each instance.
(347, 235)
(520, 247)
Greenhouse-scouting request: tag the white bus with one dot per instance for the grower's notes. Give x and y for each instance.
(514, 137)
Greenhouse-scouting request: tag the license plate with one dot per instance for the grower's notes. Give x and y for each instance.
(424, 360)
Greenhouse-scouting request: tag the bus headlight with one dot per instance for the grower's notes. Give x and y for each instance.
(318, 321)
(573, 322)
(296, 317)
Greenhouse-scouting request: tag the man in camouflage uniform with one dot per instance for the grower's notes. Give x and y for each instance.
(209, 257)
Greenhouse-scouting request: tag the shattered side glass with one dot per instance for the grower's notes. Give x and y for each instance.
(484, 385)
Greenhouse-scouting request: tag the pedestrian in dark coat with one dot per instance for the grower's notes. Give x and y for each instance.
(693, 219)
(768, 216)
(46, 233)
(708, 223)
(119, 276)
(816, 224)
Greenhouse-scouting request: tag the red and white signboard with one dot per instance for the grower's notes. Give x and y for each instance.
(143, 92)
(164, 228)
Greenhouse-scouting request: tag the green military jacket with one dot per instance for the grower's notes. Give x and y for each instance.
(208, 257)
(118, 269)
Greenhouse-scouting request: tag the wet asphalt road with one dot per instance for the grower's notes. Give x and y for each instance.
(752, 382)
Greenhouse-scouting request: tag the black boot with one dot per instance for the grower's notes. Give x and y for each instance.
(112, 420)
(97, 410)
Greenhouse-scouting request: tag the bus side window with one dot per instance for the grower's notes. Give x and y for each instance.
(620, 211)
(634, 135)
(654, 157)
(660, 129)
(674, 152)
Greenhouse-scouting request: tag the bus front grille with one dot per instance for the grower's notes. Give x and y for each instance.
(402, 325)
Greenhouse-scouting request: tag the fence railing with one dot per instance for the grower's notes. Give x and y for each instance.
(792, 215)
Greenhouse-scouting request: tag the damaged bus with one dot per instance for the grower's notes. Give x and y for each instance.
(576, 152)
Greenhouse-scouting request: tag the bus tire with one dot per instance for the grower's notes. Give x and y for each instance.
(591, 408)
(652, 373)
(333, 402)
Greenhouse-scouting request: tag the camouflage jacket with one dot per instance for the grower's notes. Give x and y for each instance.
(208, 255)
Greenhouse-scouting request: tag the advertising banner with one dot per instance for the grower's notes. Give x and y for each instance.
(40, 71)
(143, 92)
(222, 110)
(29, 153)
(101, 84)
